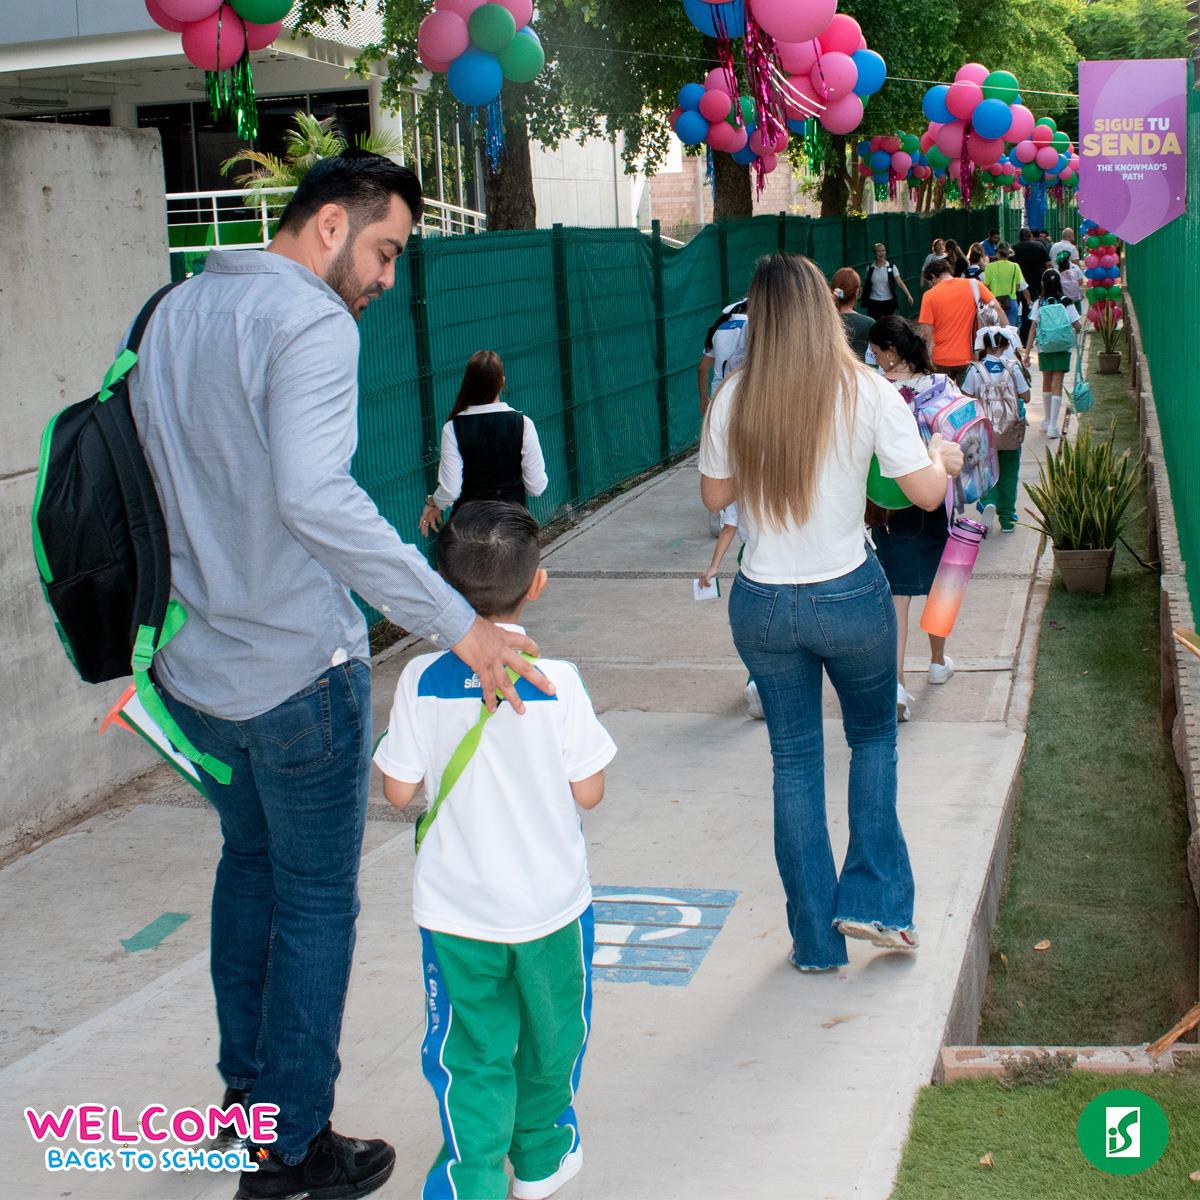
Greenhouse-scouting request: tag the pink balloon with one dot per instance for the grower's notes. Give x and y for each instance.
(1118, 311)
(1073, 162)
(950, 139)
(1110, 260)
(1022, 124)
(188, 10)
(717, 81)
(1026, 152)
(983, 151)
(769, 163)
(797, 58)
(1092, 262)
(844, 115)
(927, 139)
(780, 144)
(215, 43)
(167, 22)
(715, 106)
(676, 113)
(1042, 135)
(756, 142)
(464, 8)
(971, 73)
(864, 169)
(793, 20)
(834, 76)
(842, 35)
(798, 112)
(725, 137)
(995, 170)
(890, 144)
(901, 163)
(955, 169)
(522, 11)
(440, 68)
(1046, 158)
(259, 37)
(443, 36)
(963, 98)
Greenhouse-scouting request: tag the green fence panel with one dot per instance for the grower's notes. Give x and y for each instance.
(1162, 272)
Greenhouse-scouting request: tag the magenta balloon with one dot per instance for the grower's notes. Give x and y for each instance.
(769, 163)
(443, 36)
(780, 144)
(844, 115)
(962, 98)
(725, 137)
(715, 106)
(188, 10)
(522, 11)
(793, 20)
(1073, 162)
(890, 144)
(950, 139)
(1046, 158)
(167, 22)
(864, 169)
(797, 58)
(928, 138)
(901, 163)
(983, 152)
(971, 73)
(259, 37)
(440, 68)
(464, 8)
(834, 76)
(841, 36)
(955, 169)
(803, 85)
(717, 81)
(1026, 152)
(1042, 135)
(1022, 124)
(756, 142)
(215, 43)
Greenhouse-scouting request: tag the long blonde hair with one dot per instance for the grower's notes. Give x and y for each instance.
(798, 368)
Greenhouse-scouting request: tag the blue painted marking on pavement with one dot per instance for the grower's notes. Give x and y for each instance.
(155, 933)
(656, 935)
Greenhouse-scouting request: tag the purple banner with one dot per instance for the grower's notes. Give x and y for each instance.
(1133, 144)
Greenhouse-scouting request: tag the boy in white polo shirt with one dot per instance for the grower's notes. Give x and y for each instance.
(501, 889)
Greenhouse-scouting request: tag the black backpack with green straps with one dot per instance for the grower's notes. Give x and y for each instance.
(100, 542)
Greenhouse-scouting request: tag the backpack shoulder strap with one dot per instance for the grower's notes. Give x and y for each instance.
(138, 331)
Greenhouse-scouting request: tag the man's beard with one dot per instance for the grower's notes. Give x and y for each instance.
(342, 279)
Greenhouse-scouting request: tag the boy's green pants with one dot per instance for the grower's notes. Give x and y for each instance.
(506, 1026)
(1004, 494)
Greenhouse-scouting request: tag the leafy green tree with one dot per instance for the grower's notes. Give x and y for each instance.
(1132, 29)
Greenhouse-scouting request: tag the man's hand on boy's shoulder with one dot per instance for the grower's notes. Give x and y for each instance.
(489, 651)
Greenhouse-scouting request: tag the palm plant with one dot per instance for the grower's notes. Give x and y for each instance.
(1084, 493)
(305, 145)
(1107, 327)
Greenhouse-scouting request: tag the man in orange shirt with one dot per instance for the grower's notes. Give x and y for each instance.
(948, 318)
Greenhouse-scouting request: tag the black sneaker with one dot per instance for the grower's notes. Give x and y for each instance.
(335, 1168)
(229, 1139)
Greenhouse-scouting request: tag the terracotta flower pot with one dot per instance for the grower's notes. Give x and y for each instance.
(1085, 572)
(1110, 363)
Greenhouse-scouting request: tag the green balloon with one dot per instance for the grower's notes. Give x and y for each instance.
(262, 12)
(1114, 292)
(522, 61)
(742, 113)
(1110, 239)
(492, 28)
(910, 143)
(1060, 142)
(1092, 243)
(1001, 85)
(1072, 180)
(1048, 121)
(1031, 172)
(937, 158)
(887, 493)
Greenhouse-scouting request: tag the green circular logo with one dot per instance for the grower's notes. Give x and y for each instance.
(1122, 1132)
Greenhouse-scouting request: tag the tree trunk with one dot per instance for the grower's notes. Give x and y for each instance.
(835, 185)
(857, 184)
(508, 191)
(734, 196)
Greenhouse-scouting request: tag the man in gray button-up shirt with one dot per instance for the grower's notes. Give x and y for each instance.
(245, 397)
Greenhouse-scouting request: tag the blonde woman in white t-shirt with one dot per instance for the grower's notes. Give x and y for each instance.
(790, 438)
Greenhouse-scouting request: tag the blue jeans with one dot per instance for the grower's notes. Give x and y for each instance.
(1012, 308)
(786, 635)
(286, 893)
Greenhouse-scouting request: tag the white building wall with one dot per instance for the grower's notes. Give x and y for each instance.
(582, 185)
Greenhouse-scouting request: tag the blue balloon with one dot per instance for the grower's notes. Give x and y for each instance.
(691, 128)
(745, 156)
(704, 17)
(872, 72)
(991, 119)
(1061, 165)
(881, 160)
(690, 96)
(939, 172)
(1114, 272)
(934, 104)
(798, 126)
(475, 78)
(863, 148)
(880, 176)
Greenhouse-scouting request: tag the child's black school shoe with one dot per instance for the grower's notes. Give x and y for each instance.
(335, 1168)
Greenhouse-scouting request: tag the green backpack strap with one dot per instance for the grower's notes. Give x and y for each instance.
(148, 643)
(463, 753)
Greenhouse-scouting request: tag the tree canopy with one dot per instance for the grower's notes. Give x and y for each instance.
(1131, 29)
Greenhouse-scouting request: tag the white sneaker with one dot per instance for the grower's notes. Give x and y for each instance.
(903, 703)
(878, 934)
(539, 1189)
(1053, 435)
(941, 672)
(987, 516)
(1044, 425)
(754, 706)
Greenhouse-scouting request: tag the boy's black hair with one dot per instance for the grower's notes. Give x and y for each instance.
(489, 552)
(361, 182)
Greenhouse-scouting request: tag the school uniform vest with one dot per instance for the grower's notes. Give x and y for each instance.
(490, 445)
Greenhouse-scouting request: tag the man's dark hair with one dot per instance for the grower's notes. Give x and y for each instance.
(362, 183)
(489, 552)
(993, 233)
(938, 268)
(1026, 235)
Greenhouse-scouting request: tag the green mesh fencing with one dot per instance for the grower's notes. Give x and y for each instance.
(1162, 272)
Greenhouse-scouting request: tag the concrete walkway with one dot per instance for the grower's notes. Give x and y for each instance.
(715, 1070)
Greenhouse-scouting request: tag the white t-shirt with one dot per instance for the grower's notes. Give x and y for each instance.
(830, 543)
(728, 346)
(881, 284)
(1069, 247)
(505, 860)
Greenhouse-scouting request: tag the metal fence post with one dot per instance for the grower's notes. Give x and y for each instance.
(782, 232)
(660, 344)
(415, 253)
(566, 374)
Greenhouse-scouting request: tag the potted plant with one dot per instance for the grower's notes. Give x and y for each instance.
(1110, 334)
(1083, 499)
